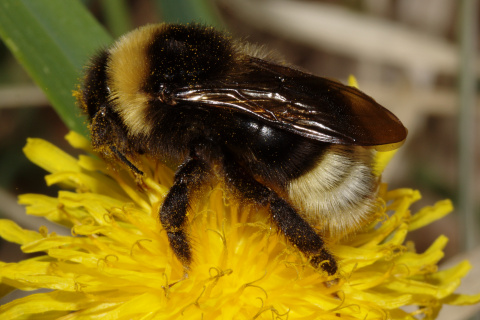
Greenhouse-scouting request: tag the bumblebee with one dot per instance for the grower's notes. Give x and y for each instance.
(300, 145)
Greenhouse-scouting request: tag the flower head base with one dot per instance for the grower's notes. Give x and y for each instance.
(117, 263)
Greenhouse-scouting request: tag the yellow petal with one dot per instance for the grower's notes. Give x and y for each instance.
(429, 214)
(78, 141)
(117, 264)
(382, 158)
(45, 206)
(52, 305)
(461, 299)
(10, 231)
(352, 81)
(42, 154)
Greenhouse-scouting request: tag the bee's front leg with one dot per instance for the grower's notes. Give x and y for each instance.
(127, 162)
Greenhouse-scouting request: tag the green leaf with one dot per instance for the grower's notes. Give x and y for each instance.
(117, 18)
(53, 40)
(186, 11)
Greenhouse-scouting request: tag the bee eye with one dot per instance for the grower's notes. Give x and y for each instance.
(102, 112)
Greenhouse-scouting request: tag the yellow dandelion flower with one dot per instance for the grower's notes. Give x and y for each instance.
(117, 263)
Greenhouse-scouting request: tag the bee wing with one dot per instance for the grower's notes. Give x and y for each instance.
(313, 107)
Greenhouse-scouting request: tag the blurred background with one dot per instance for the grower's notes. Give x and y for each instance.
(420, 59)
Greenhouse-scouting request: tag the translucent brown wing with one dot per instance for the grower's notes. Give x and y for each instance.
(313, 107)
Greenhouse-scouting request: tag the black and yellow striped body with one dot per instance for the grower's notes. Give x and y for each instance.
(299, 144)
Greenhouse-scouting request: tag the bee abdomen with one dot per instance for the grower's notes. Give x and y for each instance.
(338, 195)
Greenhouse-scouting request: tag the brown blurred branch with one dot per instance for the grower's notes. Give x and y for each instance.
(22, 96)
(335, 29)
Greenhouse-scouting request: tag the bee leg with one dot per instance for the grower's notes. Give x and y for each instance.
(301, 234)
(137, 173)
(189, 178)
(127, 162)
(294, 227)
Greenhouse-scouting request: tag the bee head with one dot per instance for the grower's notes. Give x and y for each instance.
(95, 92)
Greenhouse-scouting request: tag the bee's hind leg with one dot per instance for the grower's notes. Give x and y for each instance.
(292, 225)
